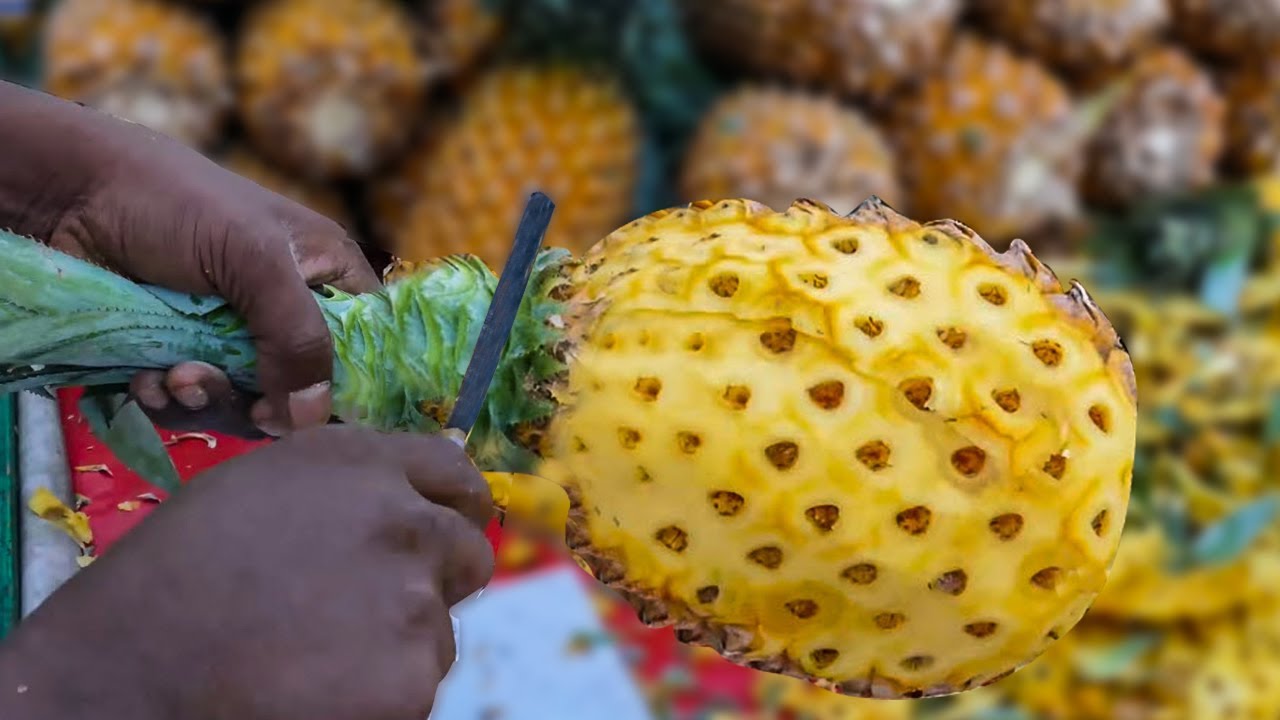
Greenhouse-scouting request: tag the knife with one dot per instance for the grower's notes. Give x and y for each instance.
(500, 318)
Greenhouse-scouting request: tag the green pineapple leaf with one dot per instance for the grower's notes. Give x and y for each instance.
(1230, 537)
(122, 426)
(1116, 661)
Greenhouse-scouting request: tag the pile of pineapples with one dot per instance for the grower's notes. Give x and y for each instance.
(422, 125)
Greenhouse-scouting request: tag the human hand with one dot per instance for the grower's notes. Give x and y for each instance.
(150, 208)
(308, 579)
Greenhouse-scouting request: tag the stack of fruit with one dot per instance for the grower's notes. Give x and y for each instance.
(1101, 131)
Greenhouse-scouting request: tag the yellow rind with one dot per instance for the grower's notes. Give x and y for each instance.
(639, 468)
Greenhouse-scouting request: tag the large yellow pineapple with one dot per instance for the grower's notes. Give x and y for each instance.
(990, 139)
(865, 48)
(857, 449)
(778, 145)
(1085, 38)
(570, 134)
(318, 197)
(154, 63)
(1163, 135)
(1229, 28)
(1253, 115)
(329, 88)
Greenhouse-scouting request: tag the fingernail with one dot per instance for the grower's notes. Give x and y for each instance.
(458, 437)
(153, 397)
(310, 406)
(265, 420)
(192, 397)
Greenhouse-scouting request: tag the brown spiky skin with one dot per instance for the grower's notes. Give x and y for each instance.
(558, 129)
(646, 303)
(990, 140)
(1229, 29)
(1164, 134)
(1084, 38)
(153, 63)
(1253, 116)
(458, 34)
(777, 145)
(329, 88)
(863, 48)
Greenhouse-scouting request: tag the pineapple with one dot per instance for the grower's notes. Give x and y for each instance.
(459, 33)
(990, 139)
(1163, 135)
(1253, 117)
(778, 145)
(855, 449)
(320, 198)
(864, 48)
(788, 697)
(153, 63)
(557, 129)
(1237, 29)
(1083, 38)
(329, 88)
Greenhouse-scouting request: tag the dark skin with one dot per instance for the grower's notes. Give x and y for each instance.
(308, 579)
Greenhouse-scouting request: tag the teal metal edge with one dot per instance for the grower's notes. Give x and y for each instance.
(10, 554)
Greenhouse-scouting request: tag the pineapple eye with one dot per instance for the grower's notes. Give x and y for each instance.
(803, 609)
(1099, 523)
(628, 437)
(823, 517)
(609, 342)
(969, 461)
(648, 388)
(917, 391)
(708, 594)
(952, 337)
(905, 287)
(860, 574)
(727, 504)
(993, 293)
(952, 582)
(824, 657)
(1056, 466)
(981, 629)
(783, 455)
(871, 327)
(673, 538)
(689, 442)
(767, 557)
(915, 520)
(695, 342)
(1048, 352)
(779, 340)
(1006, 526)
(817, 281)
(724, 285)
(845, 245)
(1008, 400)
(827, 395)
(737, 396)
(1101, 418)
(874, 455)
(1048, 578)
(917, 662)
(889, 620)
(643, 475)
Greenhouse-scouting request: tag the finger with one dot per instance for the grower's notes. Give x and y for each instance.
(465, 555)
(165, 398)
(295, 350)
(147, 387)
(193, 384)
(326, 255)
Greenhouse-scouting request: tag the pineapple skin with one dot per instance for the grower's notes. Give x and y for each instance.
(1083, 38)
(1253, 117)
(329, 88)
(863, 48)
(1228, 29)
(991, 140)
(153, 63)
(786, 435)
(561, 130)
(1164, 135)
(458, 34)
(777, 145)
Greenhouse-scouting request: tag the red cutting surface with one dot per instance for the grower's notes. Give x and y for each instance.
(109, 487)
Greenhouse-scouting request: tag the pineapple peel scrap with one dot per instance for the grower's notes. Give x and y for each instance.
(48, 507)
(532, 499)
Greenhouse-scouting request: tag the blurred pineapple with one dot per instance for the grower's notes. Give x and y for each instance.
(158, 64)
(1228, 28)
(783, 697)
(1084, 38)
(1163, 136)
(561, 130)
(777, 146)
(317, 197)
(458, 33)
(991, 139)
(1253, 116)
(863, 48)
(329, 88)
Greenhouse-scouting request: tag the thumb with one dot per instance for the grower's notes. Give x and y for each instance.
(295, 350)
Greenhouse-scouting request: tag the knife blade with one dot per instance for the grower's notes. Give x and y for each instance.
(501, 315)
